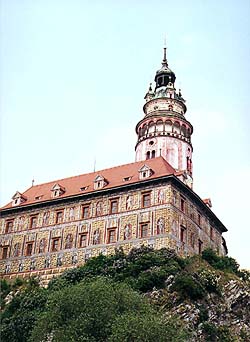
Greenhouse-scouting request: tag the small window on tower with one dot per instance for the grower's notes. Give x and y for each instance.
(153, 154)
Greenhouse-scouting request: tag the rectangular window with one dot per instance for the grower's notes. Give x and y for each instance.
(200, 243)
(111, 235)
(183, 234)
(59, 216)
(5, 252)
(191, 211)
(113, 206)
(211, 233)
(199, 219)
(33, 221)
(183, 205)
(85, 211)
(144, 230)
(29, 248)
(83, 240)
(9, 226)
(192, 240)
(55, 245)
(146, 200)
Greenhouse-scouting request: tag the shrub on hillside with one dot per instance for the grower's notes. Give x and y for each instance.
(188, 287)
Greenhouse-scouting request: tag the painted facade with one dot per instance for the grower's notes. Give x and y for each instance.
(59, 225)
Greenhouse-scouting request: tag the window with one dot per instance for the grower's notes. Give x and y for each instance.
(153, 154)
(200, 243)
(148, 155)
(29, 248)
(183, 234)
(5, 252)
(199, 219)
(85, 211)
(144, 230)
(111, 235)
(146, 199)
(113, 206)
(211, 233)
(126, 179)
(183, 204)
(9, 226)
(33, 221)
(59, 216)
(83, 240)
(55, 245)
(192, 240)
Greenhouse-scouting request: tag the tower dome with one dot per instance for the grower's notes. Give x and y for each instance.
(165, 74)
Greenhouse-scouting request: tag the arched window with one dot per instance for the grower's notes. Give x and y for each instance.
(168, 126)
(153, 154)
(148, 155)
(177, 127)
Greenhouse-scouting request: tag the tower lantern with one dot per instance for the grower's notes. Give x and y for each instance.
(164, 130)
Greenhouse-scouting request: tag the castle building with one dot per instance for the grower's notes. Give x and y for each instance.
(59, 225)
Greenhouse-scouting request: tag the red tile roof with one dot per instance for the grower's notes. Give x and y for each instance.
(114, 176)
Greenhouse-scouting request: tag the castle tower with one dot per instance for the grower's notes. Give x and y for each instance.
(164, 130)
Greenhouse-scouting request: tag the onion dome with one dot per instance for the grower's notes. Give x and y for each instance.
(164, 75)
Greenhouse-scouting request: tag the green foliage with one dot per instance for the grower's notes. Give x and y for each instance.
(213, 333)
(87, 312)
(20, 315)
(188, 287)
(209, 280)
(143, 268)
(147, 327)
(203, 314)
(223, 263)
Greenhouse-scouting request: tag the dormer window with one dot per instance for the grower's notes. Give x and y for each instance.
(99, 182)
(18, 199)
(126, 179)
(145, 172)
(57, 190)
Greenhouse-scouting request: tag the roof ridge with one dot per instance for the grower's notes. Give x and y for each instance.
(97, 172)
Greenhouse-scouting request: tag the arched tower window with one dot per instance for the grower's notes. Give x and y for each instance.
(153, 154)
(148, 155)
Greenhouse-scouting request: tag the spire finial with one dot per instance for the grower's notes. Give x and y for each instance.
(164, 61)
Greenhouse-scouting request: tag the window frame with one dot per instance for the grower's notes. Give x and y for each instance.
(81, 240)
(59, 212)
(29, 250)
(183, 234)
(146, 199)
(5, 252)
(142, 230)
(9, 226)
(33, 221)
(86, 207)
(53, 242)
(113, 209)
(111, 234)
(183, 204)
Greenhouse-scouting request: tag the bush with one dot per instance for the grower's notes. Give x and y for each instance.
(223, 263)
(188, 287)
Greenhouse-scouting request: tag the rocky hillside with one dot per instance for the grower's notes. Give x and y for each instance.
(201, 298)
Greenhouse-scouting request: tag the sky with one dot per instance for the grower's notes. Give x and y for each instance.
(73, 79)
